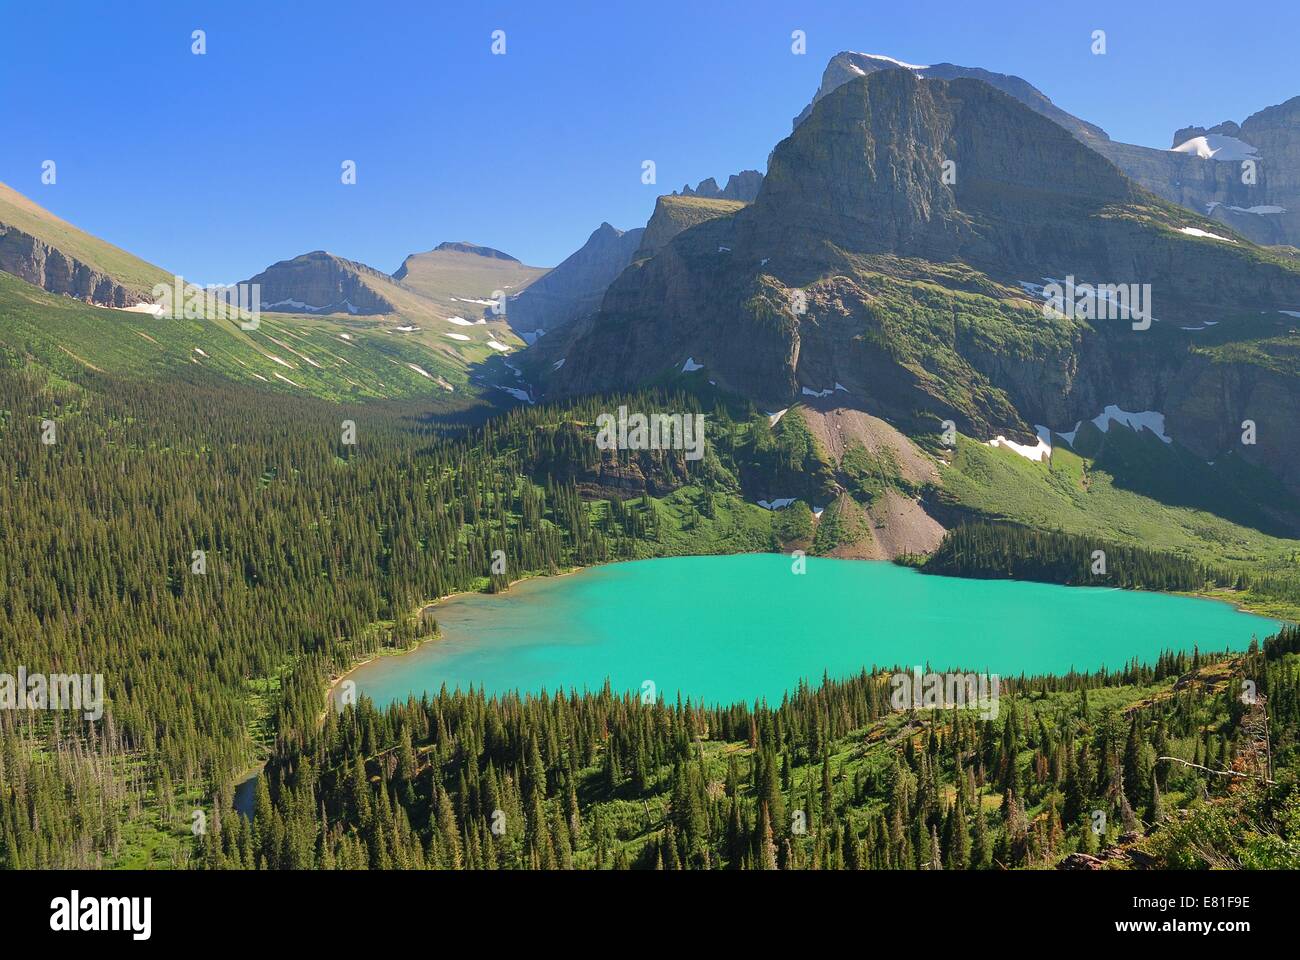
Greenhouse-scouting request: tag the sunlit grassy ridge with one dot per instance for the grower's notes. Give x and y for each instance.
(132, 272)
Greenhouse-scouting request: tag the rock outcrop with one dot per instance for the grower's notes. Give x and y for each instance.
(39, 263)
(741, 186)
(675, 213)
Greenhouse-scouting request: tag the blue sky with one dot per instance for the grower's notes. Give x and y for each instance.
(215, 166)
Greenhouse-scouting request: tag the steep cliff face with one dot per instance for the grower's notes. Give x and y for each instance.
(575, 287)
(56, 256)
(1275, 131)
(861, 271)
(1264, 207)
(38, 263)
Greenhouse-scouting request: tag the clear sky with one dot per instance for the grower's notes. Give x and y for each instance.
(218, 165)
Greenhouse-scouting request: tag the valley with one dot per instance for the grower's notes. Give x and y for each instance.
(371, 581)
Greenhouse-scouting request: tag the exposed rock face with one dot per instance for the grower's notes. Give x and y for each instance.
(319, 282)
(38, 263)
(674, 213)
(574, 288)
(1227, 129)
(1266, 211)
(847, 65)
(741, 186)
(909, 284)
(1275, 132)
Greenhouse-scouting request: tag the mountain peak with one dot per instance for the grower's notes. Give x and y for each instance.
(463, 246)
(848, 65)
(866, 169)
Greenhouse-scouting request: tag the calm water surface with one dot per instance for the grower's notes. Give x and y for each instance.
(742, 627)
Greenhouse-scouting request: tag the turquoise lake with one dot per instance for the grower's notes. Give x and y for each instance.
(742, 627)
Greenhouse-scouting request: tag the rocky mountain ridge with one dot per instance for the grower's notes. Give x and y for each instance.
(1264, 206)
(575, 287)
(859, 271)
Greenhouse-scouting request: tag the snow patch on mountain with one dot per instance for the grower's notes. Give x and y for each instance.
(1215, 146)
(1038, 452)
(1195, 232)
(518, 394)
(1152, 420)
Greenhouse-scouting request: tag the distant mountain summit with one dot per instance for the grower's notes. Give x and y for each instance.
(574, 288)
(1267, 211)
(462, 278)
(320, 282)
(847, 65)
(463, 247)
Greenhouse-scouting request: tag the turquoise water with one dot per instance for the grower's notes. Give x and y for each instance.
(741, 627)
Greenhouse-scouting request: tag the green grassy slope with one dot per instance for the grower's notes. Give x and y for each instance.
(333, 357)
(1134, 494)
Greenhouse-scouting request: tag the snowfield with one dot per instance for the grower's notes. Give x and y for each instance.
(1215, 146)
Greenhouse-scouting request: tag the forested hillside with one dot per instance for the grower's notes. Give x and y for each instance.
(218, 553)
(1165, 765)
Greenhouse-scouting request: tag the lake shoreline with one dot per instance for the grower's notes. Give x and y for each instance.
(1231, 603)
(334, 682)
